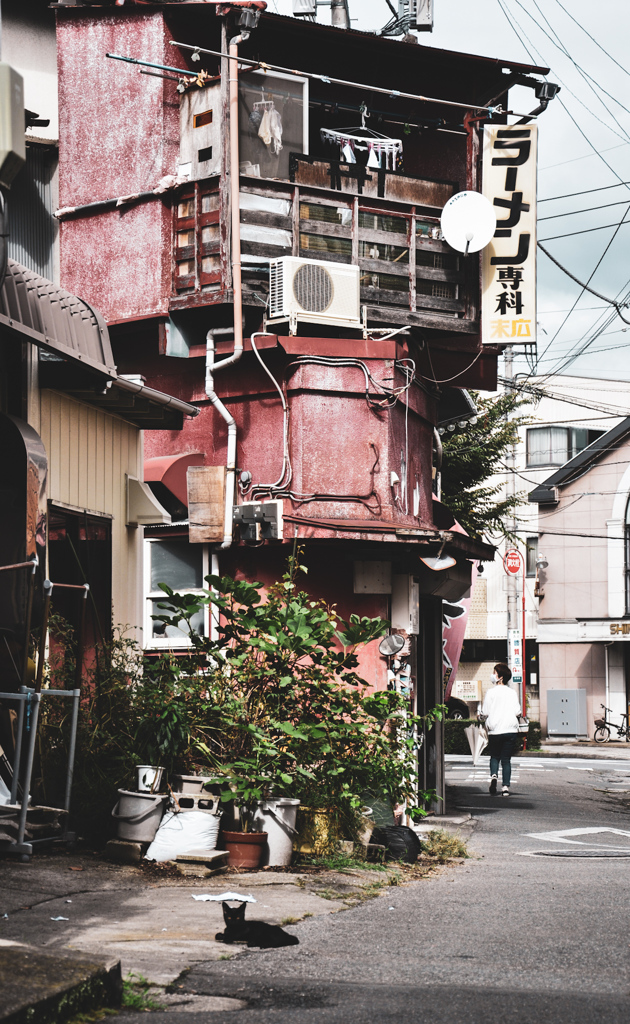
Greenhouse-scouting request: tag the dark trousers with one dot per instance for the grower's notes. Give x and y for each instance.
(501, 747)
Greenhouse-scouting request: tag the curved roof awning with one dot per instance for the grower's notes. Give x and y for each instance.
(170, 470)
(55, 320)
(78, 356)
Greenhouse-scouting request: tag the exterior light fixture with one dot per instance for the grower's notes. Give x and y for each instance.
(541, 562)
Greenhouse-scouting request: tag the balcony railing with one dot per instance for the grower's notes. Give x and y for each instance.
(408, 274)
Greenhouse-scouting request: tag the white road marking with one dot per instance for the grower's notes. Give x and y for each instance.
(560, 836)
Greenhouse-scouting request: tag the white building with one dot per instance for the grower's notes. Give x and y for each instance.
(563, 423)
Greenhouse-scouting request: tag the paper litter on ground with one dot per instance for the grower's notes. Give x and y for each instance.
(227, 896)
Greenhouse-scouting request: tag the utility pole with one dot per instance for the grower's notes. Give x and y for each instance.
(340, 13)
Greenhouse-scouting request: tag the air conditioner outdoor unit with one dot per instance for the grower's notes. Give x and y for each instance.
(314, 291)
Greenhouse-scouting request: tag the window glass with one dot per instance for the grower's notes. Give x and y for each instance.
(382, 222)
(531, 554)
(176, 563)
(160, 629)
(547, 446)
(271, 112)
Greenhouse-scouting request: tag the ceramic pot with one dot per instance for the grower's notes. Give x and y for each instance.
(245, 849)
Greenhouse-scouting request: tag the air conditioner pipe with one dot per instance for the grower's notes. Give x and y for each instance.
(211, 366)
(438, 464)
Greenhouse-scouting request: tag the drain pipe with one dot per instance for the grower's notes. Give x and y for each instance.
(237, 288)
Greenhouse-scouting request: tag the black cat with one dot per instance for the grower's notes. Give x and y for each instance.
(254, 933)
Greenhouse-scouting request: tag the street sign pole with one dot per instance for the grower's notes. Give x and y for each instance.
(513, 564)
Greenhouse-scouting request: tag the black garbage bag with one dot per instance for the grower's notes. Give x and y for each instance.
(400, 841)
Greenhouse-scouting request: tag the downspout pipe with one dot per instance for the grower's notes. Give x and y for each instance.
(237, 287)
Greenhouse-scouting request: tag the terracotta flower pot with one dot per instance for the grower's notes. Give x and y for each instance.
(245, 849)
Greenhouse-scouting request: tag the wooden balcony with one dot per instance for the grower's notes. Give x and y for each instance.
(408, 274)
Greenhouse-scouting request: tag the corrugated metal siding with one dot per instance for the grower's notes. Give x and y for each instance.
(89, 453)
(30, 204)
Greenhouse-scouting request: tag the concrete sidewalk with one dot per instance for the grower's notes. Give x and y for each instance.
(42, 986)
(146, 916)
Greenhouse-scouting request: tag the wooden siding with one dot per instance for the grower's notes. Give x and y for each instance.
(89, 454)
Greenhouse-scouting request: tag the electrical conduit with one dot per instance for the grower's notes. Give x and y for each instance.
(211, 366)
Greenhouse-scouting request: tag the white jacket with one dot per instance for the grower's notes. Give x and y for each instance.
(501, 706)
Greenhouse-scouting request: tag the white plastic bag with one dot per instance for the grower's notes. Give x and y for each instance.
(184, 832)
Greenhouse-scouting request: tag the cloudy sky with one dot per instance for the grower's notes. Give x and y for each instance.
(584, 144)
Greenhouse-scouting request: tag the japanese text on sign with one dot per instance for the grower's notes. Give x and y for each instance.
(508, 304)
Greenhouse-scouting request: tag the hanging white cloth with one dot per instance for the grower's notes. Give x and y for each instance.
(275, 128)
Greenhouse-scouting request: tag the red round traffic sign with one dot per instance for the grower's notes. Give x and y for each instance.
(512, 562)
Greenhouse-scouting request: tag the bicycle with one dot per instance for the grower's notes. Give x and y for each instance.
(602, 732)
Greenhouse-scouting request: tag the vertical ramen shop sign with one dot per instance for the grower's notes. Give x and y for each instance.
(508, 284)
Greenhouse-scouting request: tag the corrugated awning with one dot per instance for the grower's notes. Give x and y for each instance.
(76, 337)
(55, 320)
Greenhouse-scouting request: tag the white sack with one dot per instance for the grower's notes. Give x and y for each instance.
(184, 832)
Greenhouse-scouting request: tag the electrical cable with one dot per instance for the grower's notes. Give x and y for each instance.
(286, 464)
(585, 287)
(592, 38)
(585, 75)
(588, 209)
(586, 191)
(448, 379)
(583, 231)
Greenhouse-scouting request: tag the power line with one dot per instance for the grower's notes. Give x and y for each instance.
(588, 209)
(584, 192)
(587, 156)
(586, 231)
(593, 40)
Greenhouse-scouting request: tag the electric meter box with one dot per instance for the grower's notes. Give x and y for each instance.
(566, 713)
(12, 143)
(406, 603)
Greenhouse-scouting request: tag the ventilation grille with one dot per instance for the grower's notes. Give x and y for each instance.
(313, 288)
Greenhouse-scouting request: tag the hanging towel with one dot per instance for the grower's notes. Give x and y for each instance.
(275, 127)
(264, 132)
(348, 154)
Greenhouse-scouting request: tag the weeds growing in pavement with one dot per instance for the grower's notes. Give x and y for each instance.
(135, 995)
(444, 845)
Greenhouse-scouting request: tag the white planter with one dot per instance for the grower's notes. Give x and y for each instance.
(277, 818)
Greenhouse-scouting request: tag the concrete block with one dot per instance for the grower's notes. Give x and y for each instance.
(123, 852)
(202, 857)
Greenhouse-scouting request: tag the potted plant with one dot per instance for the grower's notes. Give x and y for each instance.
(291, 716)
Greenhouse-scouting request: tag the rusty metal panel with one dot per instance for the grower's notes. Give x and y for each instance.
(354, 179)
(206, 503)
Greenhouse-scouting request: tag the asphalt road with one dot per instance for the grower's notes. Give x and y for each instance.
(534, 929)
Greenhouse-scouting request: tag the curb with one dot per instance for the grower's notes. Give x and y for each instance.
(48, 988)
(578, 754)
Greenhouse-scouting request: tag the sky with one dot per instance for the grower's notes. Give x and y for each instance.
(584, 144)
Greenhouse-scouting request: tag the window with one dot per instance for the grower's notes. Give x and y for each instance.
(182, 566)
(553, 446)
(273, 121)
(531, 555)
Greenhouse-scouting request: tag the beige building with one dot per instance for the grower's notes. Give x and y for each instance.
(71, 437)
(584, 613)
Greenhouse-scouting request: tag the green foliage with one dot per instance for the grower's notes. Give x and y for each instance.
(476, 454)
(135, 995)
(291, 714)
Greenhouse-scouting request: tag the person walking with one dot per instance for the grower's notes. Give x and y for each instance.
(501, 710)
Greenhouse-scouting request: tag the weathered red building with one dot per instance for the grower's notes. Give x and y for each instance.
(180, 189)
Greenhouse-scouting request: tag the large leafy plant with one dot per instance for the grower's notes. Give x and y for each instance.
(291, 714)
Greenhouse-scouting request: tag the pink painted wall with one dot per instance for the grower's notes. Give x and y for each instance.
(119, 134)
(574, 667)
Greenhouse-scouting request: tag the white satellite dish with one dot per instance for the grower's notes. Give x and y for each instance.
(468, 222)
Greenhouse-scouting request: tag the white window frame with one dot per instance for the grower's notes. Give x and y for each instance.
(156, 643)
(305, 97)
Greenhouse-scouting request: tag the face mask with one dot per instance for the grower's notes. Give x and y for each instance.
(495, 679)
